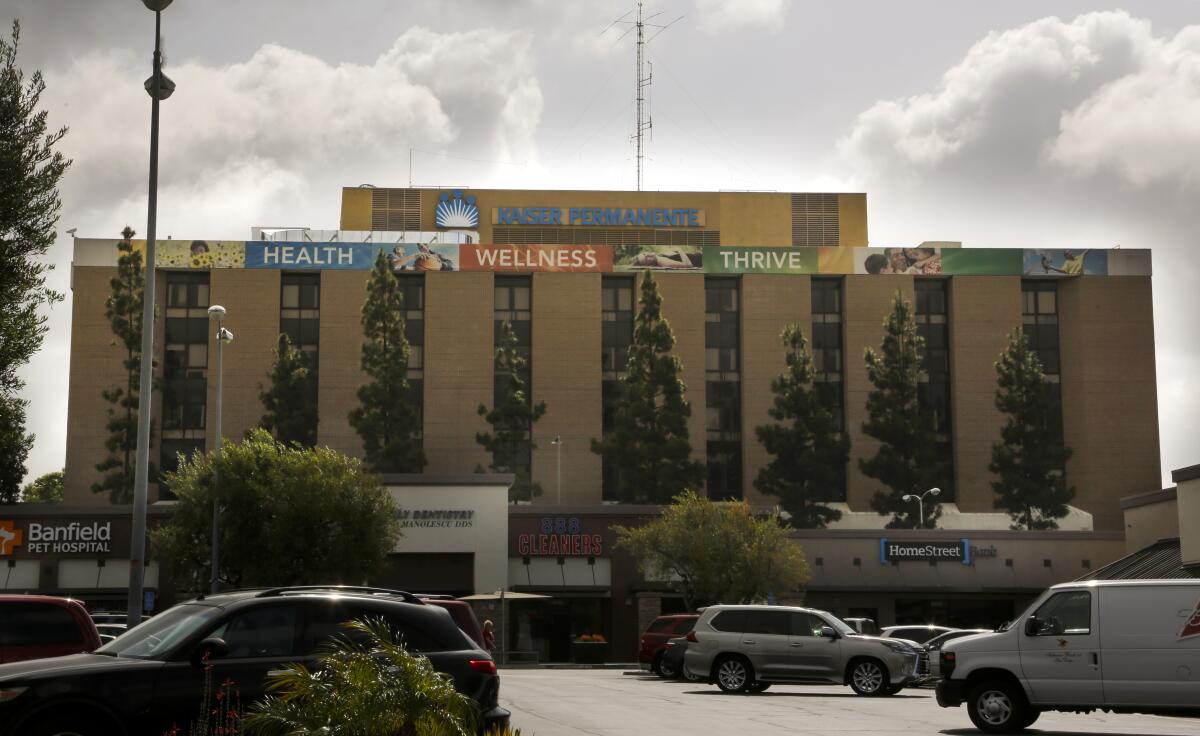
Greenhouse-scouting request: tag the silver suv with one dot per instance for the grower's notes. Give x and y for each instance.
(746, 648)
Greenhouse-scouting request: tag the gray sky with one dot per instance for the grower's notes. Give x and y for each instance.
(1015, 124)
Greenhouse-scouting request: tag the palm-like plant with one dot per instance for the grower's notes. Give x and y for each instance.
(365, 684)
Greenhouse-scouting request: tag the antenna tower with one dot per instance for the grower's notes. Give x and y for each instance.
(645, 121)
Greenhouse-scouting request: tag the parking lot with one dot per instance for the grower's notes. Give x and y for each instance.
(550, 702)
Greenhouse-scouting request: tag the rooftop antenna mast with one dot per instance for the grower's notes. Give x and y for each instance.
(645, 121)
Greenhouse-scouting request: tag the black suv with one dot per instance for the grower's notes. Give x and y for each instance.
(151, 678)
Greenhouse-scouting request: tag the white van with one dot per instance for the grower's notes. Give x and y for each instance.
(1120, 646)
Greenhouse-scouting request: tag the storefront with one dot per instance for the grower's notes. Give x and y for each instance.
(80, 552)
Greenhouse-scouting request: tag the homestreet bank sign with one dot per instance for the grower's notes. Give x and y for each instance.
(892, 550)
(600, 216)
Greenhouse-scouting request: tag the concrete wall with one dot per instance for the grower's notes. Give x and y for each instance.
(1188, 489)
(340, 375)
(683, 308)
(1150, 517)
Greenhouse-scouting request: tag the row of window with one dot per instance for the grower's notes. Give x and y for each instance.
(185, 372)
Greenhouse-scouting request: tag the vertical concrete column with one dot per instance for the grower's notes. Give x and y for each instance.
(566, 375)
(868, 303)
(683, 308)
(459, 351)
(770, 302)
(340, 358)
(1110, 398)
(983, 310)
(251, 300)
(95, 366)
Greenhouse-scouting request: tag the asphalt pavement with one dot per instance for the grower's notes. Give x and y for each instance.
(554, 702)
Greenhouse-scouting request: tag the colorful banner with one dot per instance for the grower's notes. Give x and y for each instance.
(736, 259)
(527, 258)
(722, 259)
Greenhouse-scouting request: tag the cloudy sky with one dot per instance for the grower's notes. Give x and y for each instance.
(1014, 124)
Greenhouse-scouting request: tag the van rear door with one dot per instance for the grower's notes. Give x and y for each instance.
(1060, 650)
(1151, 644)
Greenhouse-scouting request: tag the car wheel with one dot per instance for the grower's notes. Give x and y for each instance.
(759, 687)
(892, 689)
(686, 674)
(656, 664)
(997, 706)
(868, 677)
(667, 669)
(734, 674)
(63, 726)
(1030, 717)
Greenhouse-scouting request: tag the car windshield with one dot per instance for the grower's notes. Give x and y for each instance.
(155, 638)
(839, 625)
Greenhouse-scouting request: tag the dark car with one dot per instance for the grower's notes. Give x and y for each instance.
(151, 679)
(654, 640)
(920, 633)
(933, 648)
(671, 664)
(40, 626)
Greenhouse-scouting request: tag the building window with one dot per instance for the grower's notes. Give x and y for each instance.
(185, 370)
(514, 304)
(300, 313)
(1039, 317)
(828, 360)
(932, 316)
(723, 387)
(616, 335)
(412, 290)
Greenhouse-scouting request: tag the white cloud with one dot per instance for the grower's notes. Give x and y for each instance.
(716, 16)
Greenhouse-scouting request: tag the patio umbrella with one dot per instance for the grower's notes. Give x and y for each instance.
(503, 596)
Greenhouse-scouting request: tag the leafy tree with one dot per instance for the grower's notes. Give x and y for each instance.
(365, 682)
(385, 418)
(46, 488)
(291, 399)
(1030, 458)
(29, 205)
(291, 516)
(908, 459)
(810, 453)
(717, 552)
(124, 311)
(512, 420)
(648, 447)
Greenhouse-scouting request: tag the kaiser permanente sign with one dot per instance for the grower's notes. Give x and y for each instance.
(893, 550)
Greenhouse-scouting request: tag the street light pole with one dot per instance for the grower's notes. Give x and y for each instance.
(217, 313)
(920, 499)
(159, 88)
(557, 442)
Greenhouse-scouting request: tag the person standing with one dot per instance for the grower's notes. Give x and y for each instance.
(489, 636)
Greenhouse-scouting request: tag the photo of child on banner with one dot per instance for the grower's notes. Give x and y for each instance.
(914, 261)
(1066, 263)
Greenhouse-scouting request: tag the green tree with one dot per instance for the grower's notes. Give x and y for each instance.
(648, 447)
(908, 459)
(124, 311)
(510, 442)
(385, 419)
(291, 516)
(1030, 458)
(717, 552)
(30, 170)
(810, 453)
(46, 488)
(291, 400)
(365, 683)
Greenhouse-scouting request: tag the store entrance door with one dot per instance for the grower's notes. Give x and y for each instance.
(548, 627)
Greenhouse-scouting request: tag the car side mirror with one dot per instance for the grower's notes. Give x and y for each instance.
(1032, 626)
(828, 632)
(212, 648)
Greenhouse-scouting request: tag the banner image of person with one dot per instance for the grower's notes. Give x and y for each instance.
(658, 258)
(423, 257)
(199, 254)
(1066, 262)
(913, 261)
(561, 258)
(737, 259)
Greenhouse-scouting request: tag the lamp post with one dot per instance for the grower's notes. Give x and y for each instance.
(217, 313)
(159, 87)
(920, 499)
(557, 442)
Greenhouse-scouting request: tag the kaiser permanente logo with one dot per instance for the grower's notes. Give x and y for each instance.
(10, 537)
(454, 211)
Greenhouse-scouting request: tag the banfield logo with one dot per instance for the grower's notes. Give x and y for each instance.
(454, 211)
(10, 537)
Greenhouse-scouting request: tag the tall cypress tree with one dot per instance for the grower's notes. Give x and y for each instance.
(1030, 458)
(908, 459)
(124, 311)
(290, 401)
(649, 448)
(385, 418)
(809, 451)
(29, 205)
(512, 419)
